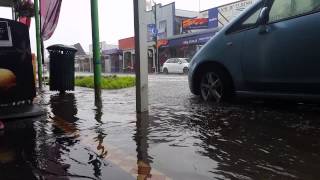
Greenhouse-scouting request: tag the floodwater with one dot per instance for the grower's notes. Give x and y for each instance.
(181, 137)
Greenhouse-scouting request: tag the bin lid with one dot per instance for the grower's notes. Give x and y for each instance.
(61, 47)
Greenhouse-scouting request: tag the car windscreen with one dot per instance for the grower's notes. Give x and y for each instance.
(184, 60)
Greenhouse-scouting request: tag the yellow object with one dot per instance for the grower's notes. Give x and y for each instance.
(6, 156)
(7, 79)
(34, 64)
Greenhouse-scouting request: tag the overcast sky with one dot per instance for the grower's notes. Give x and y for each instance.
(116, 20)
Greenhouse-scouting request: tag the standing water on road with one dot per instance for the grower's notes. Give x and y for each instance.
(181, 138)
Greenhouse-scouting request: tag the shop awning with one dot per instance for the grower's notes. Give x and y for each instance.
(197, 38)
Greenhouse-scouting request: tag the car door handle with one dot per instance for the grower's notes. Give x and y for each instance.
(229, 43)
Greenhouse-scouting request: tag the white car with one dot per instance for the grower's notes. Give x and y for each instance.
(176, 65)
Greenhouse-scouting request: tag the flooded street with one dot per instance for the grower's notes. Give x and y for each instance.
(181, 138)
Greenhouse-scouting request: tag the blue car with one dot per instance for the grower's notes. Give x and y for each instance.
(271, 49)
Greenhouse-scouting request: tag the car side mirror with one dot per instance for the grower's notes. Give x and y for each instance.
(263, 16)
(180, 62)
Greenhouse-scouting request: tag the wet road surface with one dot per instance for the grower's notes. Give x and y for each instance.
(181, 137)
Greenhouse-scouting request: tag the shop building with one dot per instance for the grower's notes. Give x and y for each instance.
(82, 59)
(127, 62)
(104, 59)
(177, 33)
(195, 32)
(111, 60)
(163, 21)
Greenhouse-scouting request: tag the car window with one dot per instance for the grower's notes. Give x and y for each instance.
(169, 61)
(183, 60)
(249, 21)
(284, 9)
(175, 60)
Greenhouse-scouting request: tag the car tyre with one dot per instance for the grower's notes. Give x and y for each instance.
(215, 86)
(185, 70)
(165, 71)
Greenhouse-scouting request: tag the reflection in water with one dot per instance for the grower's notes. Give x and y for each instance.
(97, 159)
(189, 139)
(247, 141)
(243, 141)
(141, 138)
(66, 133)
(64, 111)
(17, 158)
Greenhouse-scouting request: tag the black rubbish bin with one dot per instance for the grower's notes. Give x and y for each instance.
(61, 67)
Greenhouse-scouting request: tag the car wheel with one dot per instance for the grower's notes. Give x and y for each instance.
(165, 71)
(215, 86)
(185, 70)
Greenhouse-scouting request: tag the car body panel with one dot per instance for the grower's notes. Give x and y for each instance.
(285, 58)
(251, 58)
(175, 67)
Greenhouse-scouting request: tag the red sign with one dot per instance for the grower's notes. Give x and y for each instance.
(127, 43)
(162, 42)
(197, 23)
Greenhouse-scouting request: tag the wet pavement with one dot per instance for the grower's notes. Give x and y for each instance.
(181, 137)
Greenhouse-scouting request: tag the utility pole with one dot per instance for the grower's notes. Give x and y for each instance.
(38, 39)
(156, 38)
(140, 32)
(96, 48)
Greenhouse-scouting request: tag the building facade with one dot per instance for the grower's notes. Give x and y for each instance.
(163, 21)
(104, 58)
(127, 62)
(195, 32)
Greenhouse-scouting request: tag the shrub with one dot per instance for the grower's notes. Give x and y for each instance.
(107, 82)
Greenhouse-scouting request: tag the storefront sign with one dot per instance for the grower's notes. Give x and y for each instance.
(162, 43)
(197, 23)
(197, 39)
(213, 18)
(5, 35)
(152, 32)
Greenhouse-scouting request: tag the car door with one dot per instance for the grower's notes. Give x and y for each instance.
(282, 55)
(175, 65)
(180, 66)
(168, 65)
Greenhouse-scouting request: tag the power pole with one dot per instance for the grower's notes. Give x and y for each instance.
(38, 39)
(140, 32)
(156, 38)
(96, 48)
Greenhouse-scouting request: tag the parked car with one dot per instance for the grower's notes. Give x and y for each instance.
(271, 49)
(176, 65)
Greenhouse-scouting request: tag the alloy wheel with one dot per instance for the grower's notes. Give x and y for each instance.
(185, 70)
(211, 87)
